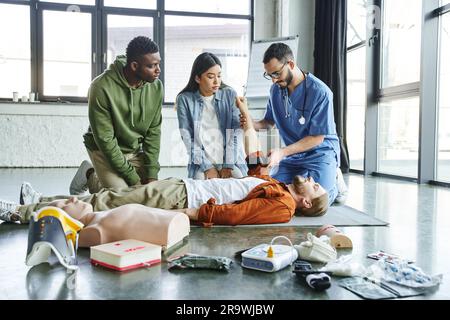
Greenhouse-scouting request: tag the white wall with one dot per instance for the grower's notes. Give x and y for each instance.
(282, 18)
(297, 17)
(50, 135)
(37, 135)
(265, 19)
(44, 135)
(301, 21)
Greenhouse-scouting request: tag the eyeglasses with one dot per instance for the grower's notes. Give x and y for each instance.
(274, 75)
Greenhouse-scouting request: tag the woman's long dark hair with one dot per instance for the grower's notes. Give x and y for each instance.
(202, 63)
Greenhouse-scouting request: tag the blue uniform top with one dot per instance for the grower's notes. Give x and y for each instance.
(317, 111)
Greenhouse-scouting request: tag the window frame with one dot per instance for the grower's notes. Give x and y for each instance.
(103, 27)
(426, 89)
(199, 15)
(39, 68)
(377, 94)
(32, 42)
(411, 89)
(99, 13)
(354, 47)
(436, 20)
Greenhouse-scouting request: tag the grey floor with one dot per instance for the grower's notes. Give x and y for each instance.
(419, 229)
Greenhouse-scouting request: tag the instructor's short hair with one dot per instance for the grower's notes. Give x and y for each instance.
(140, 46)
(319, 207)
(280, 51)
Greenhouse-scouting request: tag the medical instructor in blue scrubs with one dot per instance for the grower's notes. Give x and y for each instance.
(301, 108)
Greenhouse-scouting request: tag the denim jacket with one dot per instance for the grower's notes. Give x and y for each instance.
(189, 111)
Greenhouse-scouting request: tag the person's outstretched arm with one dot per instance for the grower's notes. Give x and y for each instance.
(251, 141)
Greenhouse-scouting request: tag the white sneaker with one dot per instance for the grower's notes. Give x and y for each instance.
(79, 185)
(28, 195)
(8, 211)
(342, 187)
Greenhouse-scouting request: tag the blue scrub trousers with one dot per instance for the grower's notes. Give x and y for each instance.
(321, 166)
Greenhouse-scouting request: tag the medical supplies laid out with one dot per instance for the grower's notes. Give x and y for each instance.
(316, 250)
(269, 258)
(372, 289)
(317, 280)
(190, 261)
(53, 230)
(391, 277)
(345, 266)
(404, 273)
(126, 255)
(386, 256)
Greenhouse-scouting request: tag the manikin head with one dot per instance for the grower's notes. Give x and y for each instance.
(311, 198)
(73, 207)
(279, 65)
(143, 59)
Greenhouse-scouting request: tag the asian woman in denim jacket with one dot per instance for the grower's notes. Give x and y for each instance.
(209, 123)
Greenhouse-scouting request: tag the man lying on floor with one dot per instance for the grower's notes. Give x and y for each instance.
(250, 200)
(257, 199)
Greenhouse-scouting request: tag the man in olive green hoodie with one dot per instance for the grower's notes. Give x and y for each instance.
(123, 140)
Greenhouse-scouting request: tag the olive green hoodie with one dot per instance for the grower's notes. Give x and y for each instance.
(123, 120)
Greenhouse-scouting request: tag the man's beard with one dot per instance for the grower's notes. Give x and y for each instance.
(299, 184)
(288, 80)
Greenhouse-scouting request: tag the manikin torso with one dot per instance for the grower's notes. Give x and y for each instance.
(131, 221)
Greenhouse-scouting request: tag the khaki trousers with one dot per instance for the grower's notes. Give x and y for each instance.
(164, 194)
(106, 177)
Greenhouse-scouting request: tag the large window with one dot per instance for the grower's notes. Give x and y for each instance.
(356, 110)
(210, 6)
(398, 73)
(15, 55)
(356, 22)
(121, 28)
(443, 168)
(400, 65)
(187, 37)
(136, 4)
(356, 82)
(398, 137)
(85, 2)
(56, 47)
(67, 53)
(401, 42)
